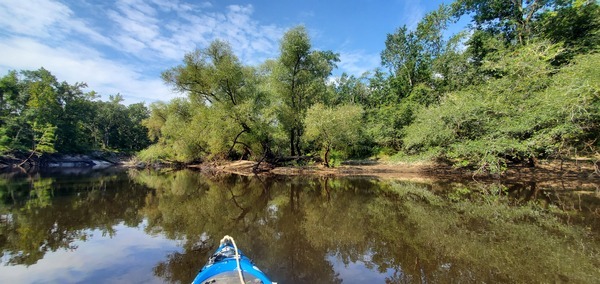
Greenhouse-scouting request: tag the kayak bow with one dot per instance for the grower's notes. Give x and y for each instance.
(230, 265)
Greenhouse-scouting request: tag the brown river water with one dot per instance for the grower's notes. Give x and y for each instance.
(128, 226)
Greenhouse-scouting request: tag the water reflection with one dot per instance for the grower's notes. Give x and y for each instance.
(310, 230)
(125, 257)
(41, 214)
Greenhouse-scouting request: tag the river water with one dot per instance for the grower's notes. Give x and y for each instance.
(156, 227)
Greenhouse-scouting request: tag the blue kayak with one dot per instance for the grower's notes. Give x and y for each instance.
(229, 265)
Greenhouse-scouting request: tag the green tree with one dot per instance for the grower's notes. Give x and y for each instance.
(299, 77)
(135, 134)
(166, 125)
(403, 56)
(12, 105)
(43, 106)
(333, 128)
(79, 128)
(350, 90)
(531, 110)
(110, 116)
(156, 120)
(35, 102)
(224, 113)
(577, 25)
(119, 127)
(452, 70)
(513, 19)
(423, 66)
(410, 55)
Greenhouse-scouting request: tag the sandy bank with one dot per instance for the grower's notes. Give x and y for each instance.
(573, 172)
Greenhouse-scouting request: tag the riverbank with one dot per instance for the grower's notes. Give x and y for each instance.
(573, 172)
(582, 171)
(93, 160)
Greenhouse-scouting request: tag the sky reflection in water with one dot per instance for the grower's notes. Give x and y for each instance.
(127, 257)
(151, 227)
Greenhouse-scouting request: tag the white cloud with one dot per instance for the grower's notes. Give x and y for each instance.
(120, 47)
(17, 16)
(413, 12)
(130, 44)
(80, 27)
(177, 6)
(44, 19)
(77, 63)
(358, 62)
(172, 29)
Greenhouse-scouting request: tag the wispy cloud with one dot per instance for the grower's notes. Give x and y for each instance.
(44, 20)
(358, 62)
(121, 47)
(17, 17)
(413, 13)
(169, 29)
(85, 65)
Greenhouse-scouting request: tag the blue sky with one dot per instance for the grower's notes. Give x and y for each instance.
(122, 46)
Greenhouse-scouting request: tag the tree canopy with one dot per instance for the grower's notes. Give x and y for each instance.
(41, 115)
(518, 85)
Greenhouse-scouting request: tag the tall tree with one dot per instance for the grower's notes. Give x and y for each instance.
(12, 105)
(430, 30)
(136, 137)
(44, 104)
(409, 54)
(512, 19)
(43, 110)
(299, 77)
(419, 63)
(210, 75)
(215, 79)
(70, 134)
(403, 56)
(577, 25)
(333, 128)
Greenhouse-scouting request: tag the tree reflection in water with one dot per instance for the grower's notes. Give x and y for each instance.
(306, 230)
(42, 214)
(265, 217)
(292, 227)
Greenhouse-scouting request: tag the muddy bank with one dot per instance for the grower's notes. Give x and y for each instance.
(94, 160)
(573, 172)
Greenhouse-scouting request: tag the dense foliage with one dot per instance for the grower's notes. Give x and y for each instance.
(39, 114)
(520, 84)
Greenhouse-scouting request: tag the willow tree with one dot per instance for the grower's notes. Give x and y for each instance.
(227, 102)
(333, 128)
(299, 77)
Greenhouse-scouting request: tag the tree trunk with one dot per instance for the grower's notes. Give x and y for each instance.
(298, 135)
(292, 140)
(327, 157)
(235, 141)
